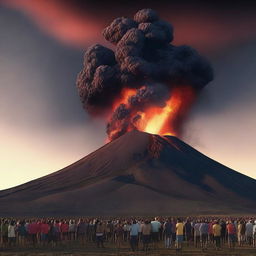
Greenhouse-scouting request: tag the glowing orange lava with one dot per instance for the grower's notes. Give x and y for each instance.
(165, 120)
(162, 121)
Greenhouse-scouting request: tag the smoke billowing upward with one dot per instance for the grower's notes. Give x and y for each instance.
(146, 76)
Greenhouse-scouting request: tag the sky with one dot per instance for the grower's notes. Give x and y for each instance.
(43, 127)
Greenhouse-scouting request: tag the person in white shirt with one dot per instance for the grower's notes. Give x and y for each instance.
(11, 233)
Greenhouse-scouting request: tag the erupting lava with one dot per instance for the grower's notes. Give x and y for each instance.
(164, 121)
(160, 120)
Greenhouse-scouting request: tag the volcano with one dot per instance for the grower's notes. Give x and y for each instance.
(136, 174)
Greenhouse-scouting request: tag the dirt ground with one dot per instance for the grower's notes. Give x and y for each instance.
(111, 250)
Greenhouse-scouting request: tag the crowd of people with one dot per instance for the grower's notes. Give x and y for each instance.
(147, 232)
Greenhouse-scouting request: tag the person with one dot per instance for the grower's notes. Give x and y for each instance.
(127, 229)
(4, 229)
(210, 232)
(134, 232)
(81, 231)
(188, 231)
(146, 230)
(11, 233)
(22, 233)
(203, 229)
(241, 232)
(174, 230)
(64, 230)
(223, 231)
(216, 230)
(155, 227)
(197, 234)
(249, 232)
(72, 230)
(254, 234)
(168, 233)
(179, 234)
(100, 232)
(52, 234)
(33, 229)
(119, 232)
(231, 229)
(44, 230)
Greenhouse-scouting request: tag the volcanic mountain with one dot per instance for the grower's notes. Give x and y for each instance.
(136, 174)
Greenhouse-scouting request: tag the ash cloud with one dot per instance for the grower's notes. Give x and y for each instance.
(144, 59)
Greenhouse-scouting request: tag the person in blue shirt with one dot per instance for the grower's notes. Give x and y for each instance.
(134, 232)
(155, 227)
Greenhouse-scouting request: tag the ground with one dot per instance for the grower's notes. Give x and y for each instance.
(110, 250)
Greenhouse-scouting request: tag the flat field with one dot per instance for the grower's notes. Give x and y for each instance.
(111, 250)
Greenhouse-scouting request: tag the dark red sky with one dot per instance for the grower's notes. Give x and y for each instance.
(204, 25)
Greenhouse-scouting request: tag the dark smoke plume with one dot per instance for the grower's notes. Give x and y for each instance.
(144, 59)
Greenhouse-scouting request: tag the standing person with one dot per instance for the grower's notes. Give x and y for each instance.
(179, 234)
(197, 234)
(146, 231)
(109, 231)
(44, 230)
(4, 229)
(174, 230)
(210, 232)
(231, 230)
(11, 233)
(52, 234)
(127, 229)
(216, 229)
(57, 230)
(188, 231)
(254, 234)
(155, 227)
(241, 232)
(22, 233)
(33, 229)
(100, 231)
(168, 233)
(119, 231)
(223, 231)
(72, 230)
(134, 235)
(81, 231)
(64, 230)
(249, 232)
(203, 229)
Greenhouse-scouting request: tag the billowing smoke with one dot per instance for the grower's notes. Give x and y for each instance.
(144, 59)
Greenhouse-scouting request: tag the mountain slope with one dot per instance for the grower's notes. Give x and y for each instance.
(138, 173)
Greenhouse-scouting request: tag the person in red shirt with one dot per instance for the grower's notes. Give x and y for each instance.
(210, 232)
(231, 229)
(64, 230)
(33, 229)
(44, 230)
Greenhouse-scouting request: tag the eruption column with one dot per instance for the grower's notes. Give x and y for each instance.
(147, 83)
